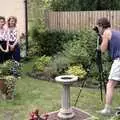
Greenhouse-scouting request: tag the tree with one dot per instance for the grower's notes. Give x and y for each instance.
(72, 5)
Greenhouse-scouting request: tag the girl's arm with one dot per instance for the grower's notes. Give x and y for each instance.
(1, 48)
(7, 47)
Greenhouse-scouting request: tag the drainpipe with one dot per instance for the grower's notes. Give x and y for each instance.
(26, 26)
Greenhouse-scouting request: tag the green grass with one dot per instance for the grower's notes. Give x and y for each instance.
(45, 96)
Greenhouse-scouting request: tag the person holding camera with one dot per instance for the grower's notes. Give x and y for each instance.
(110, 42)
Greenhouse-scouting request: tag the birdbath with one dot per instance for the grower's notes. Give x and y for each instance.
(66, 111)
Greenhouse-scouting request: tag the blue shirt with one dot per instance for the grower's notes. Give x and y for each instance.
(114, 45)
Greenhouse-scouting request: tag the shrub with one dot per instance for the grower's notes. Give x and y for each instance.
(48, 42)
(41, 63)
(81, 50)
(10, 67)
(77, 70)
(9, 71)
(75, 48)
(10, 82)
(59, 64)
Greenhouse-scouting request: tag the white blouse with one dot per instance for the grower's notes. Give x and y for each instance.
(3, 35)
(12, 34)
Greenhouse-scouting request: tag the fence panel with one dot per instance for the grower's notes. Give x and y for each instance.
(76, 20)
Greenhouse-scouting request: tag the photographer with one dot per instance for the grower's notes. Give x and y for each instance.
(110, 42)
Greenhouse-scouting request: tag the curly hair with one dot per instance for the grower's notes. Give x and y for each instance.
(103, 22)
(12, 17)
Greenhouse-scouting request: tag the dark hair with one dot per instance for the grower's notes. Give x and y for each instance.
(12, 17)
(103, 22)
(2, 18)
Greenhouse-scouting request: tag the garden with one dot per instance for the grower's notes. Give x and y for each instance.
(59, 53)
(30, 89)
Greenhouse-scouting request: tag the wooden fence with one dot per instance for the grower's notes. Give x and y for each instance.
(79, 20)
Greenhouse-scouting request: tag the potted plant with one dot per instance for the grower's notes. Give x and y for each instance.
(9, 71)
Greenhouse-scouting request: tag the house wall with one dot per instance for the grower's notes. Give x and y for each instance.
(14, 8)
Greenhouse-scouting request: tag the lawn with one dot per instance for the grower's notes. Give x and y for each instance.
(45, 96)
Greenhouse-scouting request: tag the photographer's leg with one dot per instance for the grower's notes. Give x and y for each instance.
(110, 89)
(109, 95)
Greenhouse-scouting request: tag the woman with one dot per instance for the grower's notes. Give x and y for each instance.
(3, 42)
(13, 38)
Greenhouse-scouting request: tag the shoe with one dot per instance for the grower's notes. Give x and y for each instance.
(105, 111)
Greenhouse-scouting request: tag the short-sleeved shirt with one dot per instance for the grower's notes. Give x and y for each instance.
(12, 34)
(3, 35)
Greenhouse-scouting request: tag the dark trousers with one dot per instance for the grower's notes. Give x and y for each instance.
(2, 54)
(1, 57)
(15, 54)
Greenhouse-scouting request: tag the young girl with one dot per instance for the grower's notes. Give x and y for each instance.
(13, 37)
(3, 40)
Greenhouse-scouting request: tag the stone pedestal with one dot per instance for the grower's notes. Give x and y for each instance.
(66, 111)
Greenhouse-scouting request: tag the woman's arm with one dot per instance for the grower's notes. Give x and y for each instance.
(1, 48)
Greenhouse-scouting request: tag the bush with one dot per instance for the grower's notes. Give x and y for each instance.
(75, 48)
(81, 50)
(77, 71)
(41, 63)
(10, 87)
(48, 42)
(10, 67)
(59, 64)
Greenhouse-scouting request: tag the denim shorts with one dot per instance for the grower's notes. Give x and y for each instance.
(115, 70)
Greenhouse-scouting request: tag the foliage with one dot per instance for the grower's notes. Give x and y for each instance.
(58, 64)
(36, 18)
(23, 46)
(70, 49)
(49, 42)
(39, 3)
(9, 71)
(35, 116)
(32, 94)
(115, 118)
(77, 70)
(10, 82)
(36, 10)
(10, 67)
(36, 28)
(80, 50)
(83, 5)
(40, 63)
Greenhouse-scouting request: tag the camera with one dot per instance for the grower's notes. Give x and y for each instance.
(96, 29)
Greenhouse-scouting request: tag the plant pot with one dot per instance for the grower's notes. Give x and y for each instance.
(2, 86)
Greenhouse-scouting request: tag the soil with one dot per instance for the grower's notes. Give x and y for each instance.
(79, 115)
